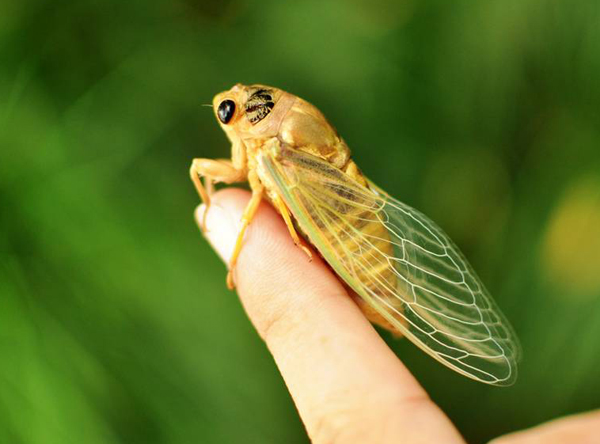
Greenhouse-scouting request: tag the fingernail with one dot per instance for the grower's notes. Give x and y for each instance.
(221, 229)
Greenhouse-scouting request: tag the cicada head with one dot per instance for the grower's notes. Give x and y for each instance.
(256, 113)
(252, 111)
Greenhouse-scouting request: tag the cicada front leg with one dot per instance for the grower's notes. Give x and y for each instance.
(213, 171)
(250, 211)
(224, 171)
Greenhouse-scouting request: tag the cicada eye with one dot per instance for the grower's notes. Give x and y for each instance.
(226, 110)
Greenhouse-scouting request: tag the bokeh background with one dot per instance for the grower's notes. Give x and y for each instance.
(115, 323)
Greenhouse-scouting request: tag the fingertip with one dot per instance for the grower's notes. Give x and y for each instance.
(220, 221)
(199, 214)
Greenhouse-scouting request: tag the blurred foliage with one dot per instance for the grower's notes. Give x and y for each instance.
(115, 322)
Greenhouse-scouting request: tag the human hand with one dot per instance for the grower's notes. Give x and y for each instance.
(347, 384)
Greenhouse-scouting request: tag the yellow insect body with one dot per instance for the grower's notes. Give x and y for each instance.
(408, 275)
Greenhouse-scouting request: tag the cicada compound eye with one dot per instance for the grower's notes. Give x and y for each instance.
(226, 111)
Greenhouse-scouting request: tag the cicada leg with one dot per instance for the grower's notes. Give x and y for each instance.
(285, 213)
(249, 213)
(213, 171)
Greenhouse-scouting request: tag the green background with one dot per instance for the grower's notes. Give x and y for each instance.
(115, 323)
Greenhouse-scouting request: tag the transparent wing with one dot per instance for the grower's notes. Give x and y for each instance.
(400, 263)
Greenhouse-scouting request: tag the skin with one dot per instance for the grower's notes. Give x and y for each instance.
(347, 384)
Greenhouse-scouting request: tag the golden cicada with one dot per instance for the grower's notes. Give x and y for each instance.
(410, 277)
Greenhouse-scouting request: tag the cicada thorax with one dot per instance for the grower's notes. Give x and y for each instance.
(306, 129)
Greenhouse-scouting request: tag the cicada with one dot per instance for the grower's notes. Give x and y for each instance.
(409, 276)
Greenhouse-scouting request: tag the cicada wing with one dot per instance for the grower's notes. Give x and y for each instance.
(400, 262)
